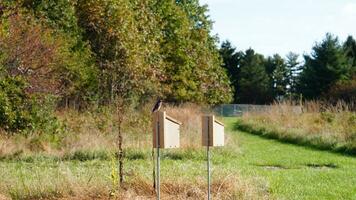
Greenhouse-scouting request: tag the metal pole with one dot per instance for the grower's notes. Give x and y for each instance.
(208, 155)
(158, 163)
(208, 159)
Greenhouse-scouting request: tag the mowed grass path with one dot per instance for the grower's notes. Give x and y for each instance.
(294, 172)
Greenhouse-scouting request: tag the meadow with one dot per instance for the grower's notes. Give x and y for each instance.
(80, 162)
(319, 125)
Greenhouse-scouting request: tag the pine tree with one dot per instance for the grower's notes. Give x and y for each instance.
(349, 48)
(326, 65)
(293, 67)
(278, 76)
(254, 82)
(231, 62)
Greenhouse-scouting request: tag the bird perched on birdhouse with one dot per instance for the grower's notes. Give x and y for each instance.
(157, 105)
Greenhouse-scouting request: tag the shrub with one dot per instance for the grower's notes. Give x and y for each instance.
(345, 91)
(13, 103)
(19, 111)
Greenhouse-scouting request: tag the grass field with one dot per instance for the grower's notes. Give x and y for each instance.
(248, 167)
(183, 176)
(294, 172)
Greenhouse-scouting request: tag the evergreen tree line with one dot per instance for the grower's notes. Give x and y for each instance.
(328, 73)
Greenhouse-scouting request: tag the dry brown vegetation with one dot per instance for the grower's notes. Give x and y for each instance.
(317, 124)
(97, 130)
(229, 187)
(66, 166)
(69, 188)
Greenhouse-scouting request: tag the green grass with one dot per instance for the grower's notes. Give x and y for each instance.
(263, 168)
(317, 141)
(294, 172)
(93, 174)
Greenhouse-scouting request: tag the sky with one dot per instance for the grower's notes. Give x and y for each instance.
(281, 26)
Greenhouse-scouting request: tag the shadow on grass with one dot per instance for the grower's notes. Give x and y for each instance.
(273, 167)
(327, 165)
(310, 165)
(310, 142)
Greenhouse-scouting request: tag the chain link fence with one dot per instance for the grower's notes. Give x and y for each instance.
(230, 110)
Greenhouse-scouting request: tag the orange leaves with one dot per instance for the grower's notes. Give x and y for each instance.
(31, 52)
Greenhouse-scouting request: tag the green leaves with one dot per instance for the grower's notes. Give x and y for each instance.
(19, 111)
(146, 48)
(86, 51)
(193, 71)
(326, 65)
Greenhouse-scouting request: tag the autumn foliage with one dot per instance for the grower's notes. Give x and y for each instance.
(93, 53)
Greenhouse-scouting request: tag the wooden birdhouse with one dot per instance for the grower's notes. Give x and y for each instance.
(212, 131)
(168, 130)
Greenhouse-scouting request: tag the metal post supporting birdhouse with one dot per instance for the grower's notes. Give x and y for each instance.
(166, 131)
(212, 135)
(158, 162)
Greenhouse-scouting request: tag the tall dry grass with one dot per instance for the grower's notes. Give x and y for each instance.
(98, 129)
(316, 124)
(228, 187)
(39, 166)
(66, 185)
(190, 116)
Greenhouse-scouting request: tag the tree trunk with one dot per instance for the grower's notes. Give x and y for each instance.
(120, 153)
